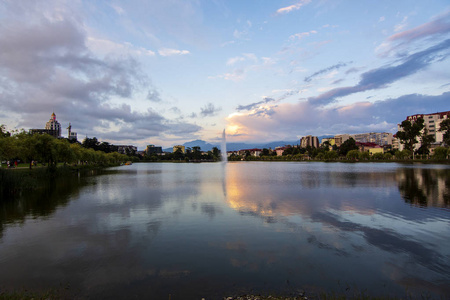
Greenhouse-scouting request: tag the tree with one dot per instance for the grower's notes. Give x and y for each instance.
(3, 132)
(426, 141)
(331, 155)
(265, 152)
(440, 153)
(215, 153)
(409, 133)
(352, 154)
(445, 128)
(91, 143)
(27, 147)
(365, 155)
(347, 146)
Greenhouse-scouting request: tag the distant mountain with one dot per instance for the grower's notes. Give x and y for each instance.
(205, 146)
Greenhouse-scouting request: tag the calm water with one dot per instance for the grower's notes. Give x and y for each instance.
(213, 230)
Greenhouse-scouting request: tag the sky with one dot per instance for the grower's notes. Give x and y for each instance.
(167, 72)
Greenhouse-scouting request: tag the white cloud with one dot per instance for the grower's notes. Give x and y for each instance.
(297, 6)
(105, 47)
(302, 35)
(171, 52)
(401, 25)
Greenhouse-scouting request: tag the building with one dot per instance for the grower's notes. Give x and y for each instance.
(432, 122)
(51, 132)
(54, 125)
(181, 147)
(340, 139)
(309, 140)
(152, 149)
(71, 135)
(372, 148)
(331, 141)
(380, 138)
(280, 150)
(126, 149)
(253, 152)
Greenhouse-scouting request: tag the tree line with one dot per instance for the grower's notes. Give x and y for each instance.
(192, 154)
(48, 150)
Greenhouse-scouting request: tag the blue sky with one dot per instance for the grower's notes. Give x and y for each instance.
(166, 72)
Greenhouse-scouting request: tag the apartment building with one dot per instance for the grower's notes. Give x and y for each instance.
(309, 140)
(432, 123)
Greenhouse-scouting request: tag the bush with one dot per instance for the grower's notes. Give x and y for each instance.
(440, 153)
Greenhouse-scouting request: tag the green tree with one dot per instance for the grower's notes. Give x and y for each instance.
(347, 146)
(440, 153)
(265, 152)
(352, 154)
(445, 129)
(387, 156)
(331, 155)
(215, 153)
(378, 156)
(426, 141)
(365, 155)
(178, 154)
(27, 147)
(8, 148)
(409, 133)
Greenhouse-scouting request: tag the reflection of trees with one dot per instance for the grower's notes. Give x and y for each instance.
(425, 187)
(51, 193)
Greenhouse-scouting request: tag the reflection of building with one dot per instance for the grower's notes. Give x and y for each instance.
(152, 149)
(424, 187)
(309, 140)
(182, 148)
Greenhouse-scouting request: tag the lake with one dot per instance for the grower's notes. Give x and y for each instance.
(210, 230)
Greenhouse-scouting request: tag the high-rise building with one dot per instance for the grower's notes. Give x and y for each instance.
(54, 125)
(432, 123)
(309, 140)
(380, 138)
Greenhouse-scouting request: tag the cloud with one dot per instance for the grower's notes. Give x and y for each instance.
(287, 120)
(381, 77)
(171, 52)
(45, 66)
(258, 105)
(235, 75)
(302, 35)
(334, 67)
(254, 105)
(297, 6)
(401, 25)
(209, 110)
(244, 57)
(439, 26)
(154, 96)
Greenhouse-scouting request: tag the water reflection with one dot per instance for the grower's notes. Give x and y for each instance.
(424, 187)
(210, 230)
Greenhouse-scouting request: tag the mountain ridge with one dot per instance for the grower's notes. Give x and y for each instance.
(205, 146)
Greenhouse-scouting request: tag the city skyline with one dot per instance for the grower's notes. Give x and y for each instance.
(168, 72)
